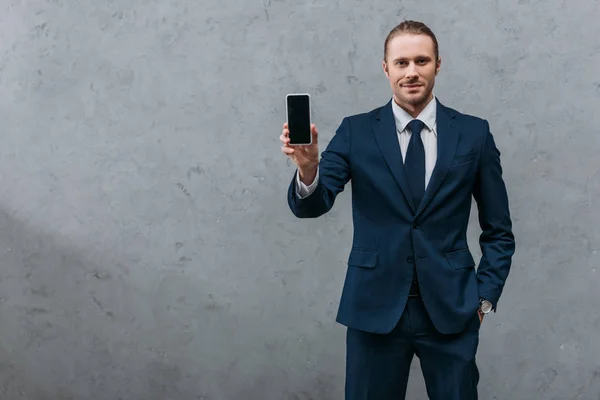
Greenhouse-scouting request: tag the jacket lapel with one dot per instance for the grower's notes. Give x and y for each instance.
(447, 139)
(384, 127)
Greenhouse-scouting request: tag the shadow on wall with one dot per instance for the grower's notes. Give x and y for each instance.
(72, 329)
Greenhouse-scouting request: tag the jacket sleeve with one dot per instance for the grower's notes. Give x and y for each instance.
(334, 173)
(496, 240)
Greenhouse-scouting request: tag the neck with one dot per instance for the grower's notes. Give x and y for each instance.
(414, 109)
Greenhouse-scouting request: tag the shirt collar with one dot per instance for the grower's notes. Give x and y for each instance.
(428, 115)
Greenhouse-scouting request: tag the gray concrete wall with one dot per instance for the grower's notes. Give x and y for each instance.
(146, 247)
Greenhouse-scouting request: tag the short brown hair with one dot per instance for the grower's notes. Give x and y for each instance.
(411, 28)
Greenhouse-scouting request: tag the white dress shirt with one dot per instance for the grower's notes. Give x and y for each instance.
(429, 136)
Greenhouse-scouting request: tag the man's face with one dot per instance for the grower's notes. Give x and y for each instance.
(411, 68)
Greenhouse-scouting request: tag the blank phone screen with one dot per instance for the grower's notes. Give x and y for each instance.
(298, 109)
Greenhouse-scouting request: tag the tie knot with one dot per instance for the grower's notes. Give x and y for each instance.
(415, 126)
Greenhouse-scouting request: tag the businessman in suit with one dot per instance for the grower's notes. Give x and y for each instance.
(411, 285)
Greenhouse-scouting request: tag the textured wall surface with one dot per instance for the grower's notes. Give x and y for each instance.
(146, 247)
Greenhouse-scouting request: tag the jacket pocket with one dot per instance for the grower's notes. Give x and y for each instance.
(460, 259)
(463, 158)
(365, 258)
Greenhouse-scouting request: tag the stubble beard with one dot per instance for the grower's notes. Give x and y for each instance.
(416, 101)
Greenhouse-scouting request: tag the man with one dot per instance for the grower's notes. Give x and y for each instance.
(411, 285)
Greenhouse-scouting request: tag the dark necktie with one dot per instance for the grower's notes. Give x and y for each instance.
(415, 162)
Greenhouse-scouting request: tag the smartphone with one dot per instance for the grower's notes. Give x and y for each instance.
(298, 118)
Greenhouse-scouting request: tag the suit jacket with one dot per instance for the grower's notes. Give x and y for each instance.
(391, 233)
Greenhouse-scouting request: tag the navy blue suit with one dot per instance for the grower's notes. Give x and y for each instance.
(393, 237)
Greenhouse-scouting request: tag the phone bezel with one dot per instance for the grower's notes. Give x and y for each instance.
(309, 115)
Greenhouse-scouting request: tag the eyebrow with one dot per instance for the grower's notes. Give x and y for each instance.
(417, 57)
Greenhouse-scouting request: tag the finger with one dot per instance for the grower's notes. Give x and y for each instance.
(285, 125)
(315, 133)
(286, 132)
(284, 139)
(287, 150)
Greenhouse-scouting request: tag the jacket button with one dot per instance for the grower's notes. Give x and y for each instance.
(410, 259)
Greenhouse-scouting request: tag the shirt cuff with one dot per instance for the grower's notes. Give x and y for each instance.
(304, 191)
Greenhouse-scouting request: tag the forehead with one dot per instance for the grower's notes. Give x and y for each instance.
(406, 45)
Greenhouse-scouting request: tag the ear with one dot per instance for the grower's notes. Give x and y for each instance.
(385, 68)
(438, 65)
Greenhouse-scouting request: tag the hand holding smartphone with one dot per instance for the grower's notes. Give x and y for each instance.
(300, 137)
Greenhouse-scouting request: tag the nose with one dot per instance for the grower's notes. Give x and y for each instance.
(411, 71)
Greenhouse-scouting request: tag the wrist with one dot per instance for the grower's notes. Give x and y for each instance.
(308, 173)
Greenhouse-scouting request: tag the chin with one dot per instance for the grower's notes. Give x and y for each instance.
(418, 101)
(413, 100)
(417, 98)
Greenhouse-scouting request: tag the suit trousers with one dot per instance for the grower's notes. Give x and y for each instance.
(378, 365)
